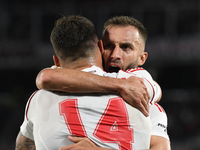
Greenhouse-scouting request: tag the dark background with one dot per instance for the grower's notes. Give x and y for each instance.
(173, 46)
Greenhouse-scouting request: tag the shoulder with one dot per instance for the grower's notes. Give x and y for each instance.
(157, 113)
(135, 69)
(38, 97)
(95, 70)
(140, 72)
(157, 108)
(31, 104)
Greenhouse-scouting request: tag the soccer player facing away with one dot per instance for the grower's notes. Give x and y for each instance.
(105, 119)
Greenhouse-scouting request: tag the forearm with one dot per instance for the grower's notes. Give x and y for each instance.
(159, 143)
(24, 143)
(74, 81)
(132, 90)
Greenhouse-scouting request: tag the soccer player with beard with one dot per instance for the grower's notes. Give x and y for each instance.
(124, 41)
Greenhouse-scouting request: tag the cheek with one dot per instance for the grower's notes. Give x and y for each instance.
(128, 61)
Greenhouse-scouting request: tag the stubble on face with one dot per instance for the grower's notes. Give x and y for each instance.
(128, 40)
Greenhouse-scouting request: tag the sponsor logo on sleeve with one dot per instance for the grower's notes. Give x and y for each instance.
(163, 126)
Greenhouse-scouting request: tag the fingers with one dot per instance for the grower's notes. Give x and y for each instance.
(145, 108)
(81, 143)
(147, 96)
(145, 103)
(67, 147)
(75, 139)
(136, 94)
(144, 86)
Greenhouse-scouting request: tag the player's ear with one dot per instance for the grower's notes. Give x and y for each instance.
(142, 58)
(100, 43)
(56, 61)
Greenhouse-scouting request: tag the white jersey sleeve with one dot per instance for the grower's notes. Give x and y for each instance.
(158, 120)
(27, 126)
(152, 87)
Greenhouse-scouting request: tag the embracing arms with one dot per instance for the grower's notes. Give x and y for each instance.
(132, 90)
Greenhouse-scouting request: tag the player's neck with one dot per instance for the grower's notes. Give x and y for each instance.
(80, 65)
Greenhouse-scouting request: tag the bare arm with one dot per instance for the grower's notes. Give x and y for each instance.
(159, 143)
(24, 143)
(71, 80)
(132, 90)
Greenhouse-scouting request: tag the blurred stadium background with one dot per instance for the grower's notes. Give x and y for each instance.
(173, 46)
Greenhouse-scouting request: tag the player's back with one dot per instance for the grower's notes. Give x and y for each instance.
(105, 119)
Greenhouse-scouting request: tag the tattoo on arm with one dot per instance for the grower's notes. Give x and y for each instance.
(24, 143)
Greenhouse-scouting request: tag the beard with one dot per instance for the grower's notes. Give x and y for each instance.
(132, 65)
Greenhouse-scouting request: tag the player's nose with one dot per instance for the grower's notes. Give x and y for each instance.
(116, 53)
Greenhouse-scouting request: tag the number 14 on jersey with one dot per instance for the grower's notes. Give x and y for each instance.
(113, 126)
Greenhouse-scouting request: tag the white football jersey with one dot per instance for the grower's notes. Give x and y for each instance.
(105, 119)
(158, 120)
(156, 112)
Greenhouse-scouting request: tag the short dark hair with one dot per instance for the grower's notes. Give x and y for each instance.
(73, 36)
(126, 21)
